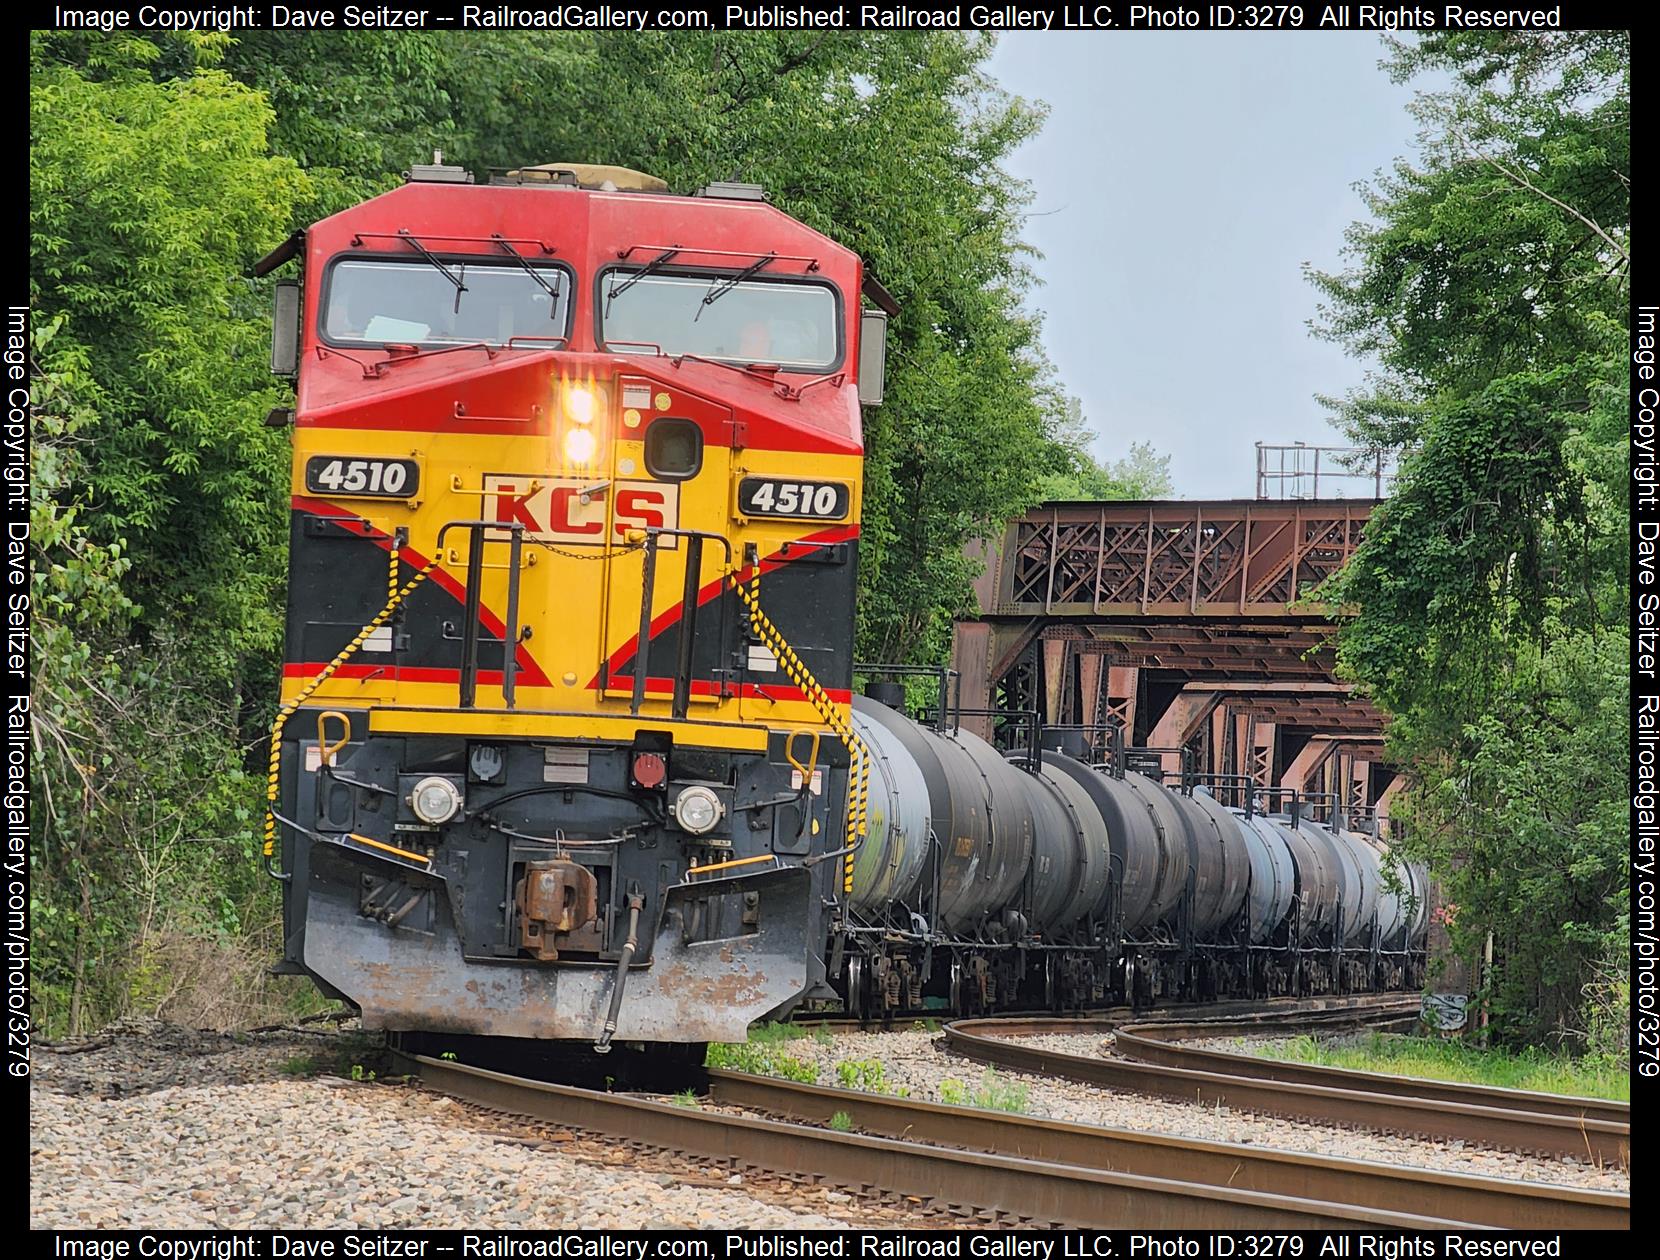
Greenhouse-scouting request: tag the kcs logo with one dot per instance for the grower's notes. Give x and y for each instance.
(572, 510)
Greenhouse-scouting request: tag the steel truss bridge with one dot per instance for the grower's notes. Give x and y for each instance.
(1194, 624)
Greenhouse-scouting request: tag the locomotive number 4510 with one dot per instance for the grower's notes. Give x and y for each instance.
(809, 500)
(362, 478)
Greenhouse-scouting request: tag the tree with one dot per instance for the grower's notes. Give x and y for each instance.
(1491, 588)
(157, 512)
(1142, 474)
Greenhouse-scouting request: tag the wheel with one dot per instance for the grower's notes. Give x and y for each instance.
(856, 987)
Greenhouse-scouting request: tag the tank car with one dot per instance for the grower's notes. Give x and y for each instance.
(1041, 879)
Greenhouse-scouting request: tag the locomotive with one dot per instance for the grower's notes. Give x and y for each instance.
(567, 747)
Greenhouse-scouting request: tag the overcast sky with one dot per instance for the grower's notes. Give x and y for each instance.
(1181, 180)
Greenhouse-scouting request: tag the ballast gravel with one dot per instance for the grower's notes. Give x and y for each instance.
(915, 1060)
(164, 1128)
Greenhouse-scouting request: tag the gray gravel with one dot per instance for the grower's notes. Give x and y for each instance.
(164, 1128)
(912, 1060)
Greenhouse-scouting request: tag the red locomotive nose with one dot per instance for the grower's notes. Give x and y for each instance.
(650, 770)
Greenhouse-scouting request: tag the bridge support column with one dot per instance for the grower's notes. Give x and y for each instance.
(1123, 682)
(1054, 678)
(1089, 683)
(1308, 762)
(1179, 722)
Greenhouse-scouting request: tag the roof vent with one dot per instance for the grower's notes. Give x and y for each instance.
(581, 175)
(438, 173)
(726, 190)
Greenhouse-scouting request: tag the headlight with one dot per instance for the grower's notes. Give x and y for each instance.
(580, 445)
(435, 800)
(697, 809)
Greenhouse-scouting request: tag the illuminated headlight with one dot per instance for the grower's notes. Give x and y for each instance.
(580, 445)
(435, 800)
(697, 809)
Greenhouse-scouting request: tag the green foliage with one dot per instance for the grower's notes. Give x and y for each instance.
(688, 1098)
(841, 1122)
(299, 1065)
(157, 521)
(868, 1075)
(760, 1059)
(994, 1094)
(1490, 595)
(1142, 474)
(1453, 1059)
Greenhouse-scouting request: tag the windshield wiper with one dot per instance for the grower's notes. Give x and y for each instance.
(432, 258)
(635, 277)
(717, 292)
(551, 290)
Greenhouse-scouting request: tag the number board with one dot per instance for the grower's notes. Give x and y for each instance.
(782, 496)
(345, 477)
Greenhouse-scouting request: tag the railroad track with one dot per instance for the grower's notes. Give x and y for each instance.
(1482, 1115)
(1285, 1174)
(1159, 1043)
(1021, 1188)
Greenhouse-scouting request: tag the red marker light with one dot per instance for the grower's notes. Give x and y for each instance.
(650, 770)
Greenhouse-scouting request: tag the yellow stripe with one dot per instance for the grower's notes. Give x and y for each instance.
(721, 866)
(389, 848)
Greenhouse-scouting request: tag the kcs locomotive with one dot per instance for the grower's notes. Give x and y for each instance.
(567, 747)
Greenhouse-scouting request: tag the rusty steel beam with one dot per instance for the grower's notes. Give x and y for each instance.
(1221, 559)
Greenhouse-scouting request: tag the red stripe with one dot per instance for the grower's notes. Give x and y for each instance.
(530, 671)
(768, 564)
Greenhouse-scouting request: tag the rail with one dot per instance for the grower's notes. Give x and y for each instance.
(1487, 1123)
(1029, 1189)
(1327, 1179)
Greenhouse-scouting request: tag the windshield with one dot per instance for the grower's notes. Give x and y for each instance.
(792, 325)
(377, 301)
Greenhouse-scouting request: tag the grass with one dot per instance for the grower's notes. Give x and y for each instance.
(781, 1034)
(761, 1058)
(688, 1098)
(1454, 1060)
(841, 1122)
(994, 1094)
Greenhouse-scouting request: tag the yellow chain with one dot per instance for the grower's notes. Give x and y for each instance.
(858, 788)
(394, 597)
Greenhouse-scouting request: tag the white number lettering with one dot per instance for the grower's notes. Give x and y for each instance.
(396, 476)
(787, 496)
(376, 468)
(330, 475)
(824, 501)
(763, 497)
(356, 476)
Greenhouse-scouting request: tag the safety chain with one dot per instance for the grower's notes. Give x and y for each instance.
(395, 595)
(858, 788)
